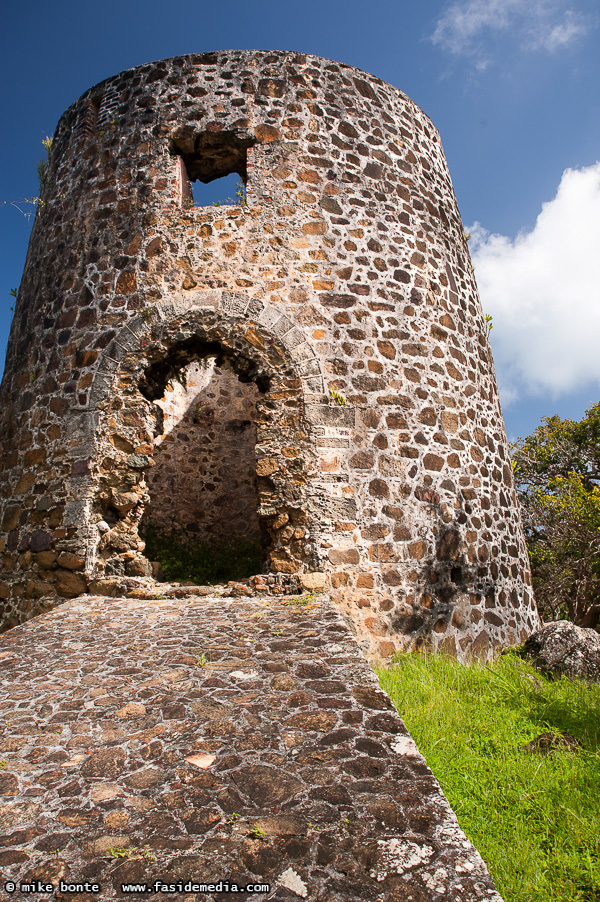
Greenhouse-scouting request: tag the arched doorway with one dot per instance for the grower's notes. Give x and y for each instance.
(209, 440)
(201, 522)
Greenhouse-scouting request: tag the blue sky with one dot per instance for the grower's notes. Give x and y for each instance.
(512, 86)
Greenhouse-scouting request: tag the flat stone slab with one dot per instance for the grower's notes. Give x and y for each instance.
(202, 740)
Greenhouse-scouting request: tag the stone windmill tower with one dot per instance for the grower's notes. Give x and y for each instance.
(336, 391)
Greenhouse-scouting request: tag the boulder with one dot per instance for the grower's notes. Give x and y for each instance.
(549, 743)
(561, 648)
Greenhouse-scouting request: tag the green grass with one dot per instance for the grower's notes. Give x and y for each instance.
(205, 563)
(534, 818)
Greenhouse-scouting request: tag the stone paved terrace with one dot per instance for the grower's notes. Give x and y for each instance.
(213, 738)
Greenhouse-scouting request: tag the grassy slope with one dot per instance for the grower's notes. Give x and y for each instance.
(534, 818)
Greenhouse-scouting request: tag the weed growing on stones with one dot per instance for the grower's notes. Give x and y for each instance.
(337, 396)
(132, 853)
(302, 600)
(255, 832)
(203, 563)
(42, 165)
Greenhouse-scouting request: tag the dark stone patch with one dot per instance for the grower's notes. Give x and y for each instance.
(40, 540)
(338, 736)
(372, 748)
(339, 301)
(144, 779)
(266, 786)
(311, 720)
(12, 856)
(131, 872)
(18, 838)
(373, 170)
(386, 811)
(209, 709)
(54, 841)
(259, 857)
(385, 723)
(372, 698)
(271, 87)
(448, 548)
(312, 671)
(364, 88)
(200, 820)
(409, 622)
(9, 784)
(365, 767)
(325, 687)
(107, 763)
(330, 205)
(48, 872)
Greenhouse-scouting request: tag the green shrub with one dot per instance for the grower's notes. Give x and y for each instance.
(204, 563)
(535, 818)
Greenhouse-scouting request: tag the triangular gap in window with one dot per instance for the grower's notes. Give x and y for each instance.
(227, 190)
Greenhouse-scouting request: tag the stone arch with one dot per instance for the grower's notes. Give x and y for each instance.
(258, 343)
(227, 304)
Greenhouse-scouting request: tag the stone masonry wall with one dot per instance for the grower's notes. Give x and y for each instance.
(342, 288)
(204, 481)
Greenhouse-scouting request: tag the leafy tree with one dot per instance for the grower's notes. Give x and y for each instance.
(557, 470)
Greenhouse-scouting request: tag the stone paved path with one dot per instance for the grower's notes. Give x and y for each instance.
(205, 739)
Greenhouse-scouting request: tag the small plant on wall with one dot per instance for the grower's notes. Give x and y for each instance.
(337, 396)
(42, 165)
(32, 203)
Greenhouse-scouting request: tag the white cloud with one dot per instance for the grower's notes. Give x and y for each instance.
(563, 33)
(461, 24)
(543, 291)
(466, 26)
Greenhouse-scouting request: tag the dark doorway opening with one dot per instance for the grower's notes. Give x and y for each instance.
(202, 522)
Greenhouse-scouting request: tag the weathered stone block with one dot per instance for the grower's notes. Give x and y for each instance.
(312, 582)
(70, 561)
(70, 584)
(11, 518)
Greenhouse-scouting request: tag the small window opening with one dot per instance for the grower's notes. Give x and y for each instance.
(220, 192)
(202, 521)
(214, 166)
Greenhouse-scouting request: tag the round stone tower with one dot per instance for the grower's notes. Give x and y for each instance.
(308, 367)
